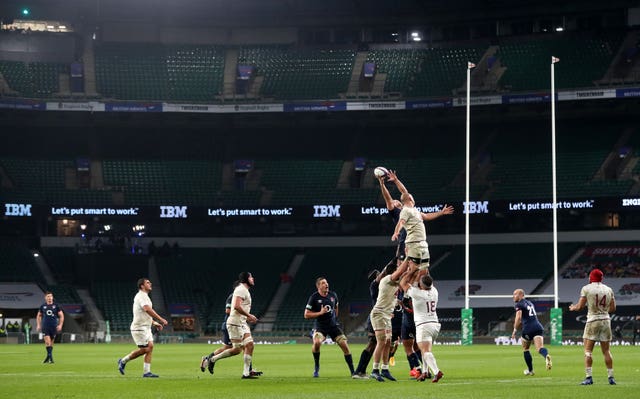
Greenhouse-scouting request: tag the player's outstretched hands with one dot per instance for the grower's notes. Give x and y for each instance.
(391, 176)
(447, 209)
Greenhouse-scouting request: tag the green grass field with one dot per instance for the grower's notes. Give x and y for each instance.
(480, 371)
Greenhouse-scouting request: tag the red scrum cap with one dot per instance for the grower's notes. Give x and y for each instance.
(595, 276)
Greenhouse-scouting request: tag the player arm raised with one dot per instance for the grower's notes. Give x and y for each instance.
(385, 193)
(408, 278)
(393, 178)
(395, 276)
(154, 315)
(446, 210)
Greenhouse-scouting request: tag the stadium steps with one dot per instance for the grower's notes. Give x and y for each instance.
(92, 310)
(267, 322)
(4, 87)
(229, 76)
(43, 267)
(621, 68)
(17, 264)
(159, 305)
(89, 65)
(356, 75)
(443, 69)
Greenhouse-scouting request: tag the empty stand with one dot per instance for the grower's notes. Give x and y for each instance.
(583, 60)
(17, 264)
(291, 73)
(151, 182)
(137, 71)
(36, 79)
(42, 181)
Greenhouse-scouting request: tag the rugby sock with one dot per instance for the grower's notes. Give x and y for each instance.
(349, 359)
(49, 350)
(419, 354)
(365, 358)
(316, 358)
(222, 355)
(528, 360)
(543, 351)
(146, 368)
(414, 361)
(610, 372)
(126, 359)
(385, 366)
(589, 371)
(247, 365)
(430, 361)
(376, 367)
(393, 350)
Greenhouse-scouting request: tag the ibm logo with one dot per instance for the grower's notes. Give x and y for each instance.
(630, 201)
(17, 209)
(173, 212)
(326, 211)
(477, 207)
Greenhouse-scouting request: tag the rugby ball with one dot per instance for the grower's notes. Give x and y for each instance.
(380, 171)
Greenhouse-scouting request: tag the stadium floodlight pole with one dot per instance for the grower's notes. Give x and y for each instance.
(554, 182)
(470, 65)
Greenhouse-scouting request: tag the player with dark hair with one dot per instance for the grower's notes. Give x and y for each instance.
(49, 320)
(532, 330)
(239, 331)
(226, 341)
(600, 301)
(143, 320)
(323, 306)
(367, 352)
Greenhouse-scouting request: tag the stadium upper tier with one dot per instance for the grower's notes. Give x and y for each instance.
(508, 162)
(211, 73)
